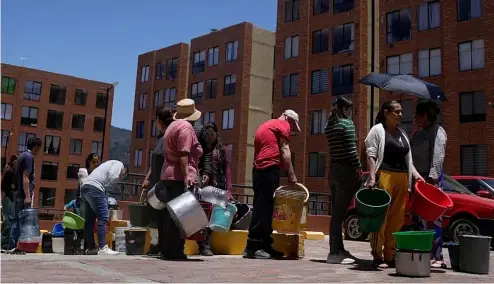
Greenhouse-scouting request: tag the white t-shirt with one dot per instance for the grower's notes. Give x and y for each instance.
(105, 175)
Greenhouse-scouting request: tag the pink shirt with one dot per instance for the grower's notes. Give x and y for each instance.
(180, 137)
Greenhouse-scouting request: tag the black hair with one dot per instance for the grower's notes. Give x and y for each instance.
(389, 105)
(88, 160)
(339, 104)
(33, 142)
(429, 108)
(165, 115)
(13, 158)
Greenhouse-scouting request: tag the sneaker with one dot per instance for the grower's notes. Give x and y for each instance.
(258, 254)
(339, 258)
(107, 251)
(274, 253)
(347, 254)
(206, 251)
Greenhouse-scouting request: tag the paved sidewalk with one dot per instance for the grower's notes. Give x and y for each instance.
(122, 268)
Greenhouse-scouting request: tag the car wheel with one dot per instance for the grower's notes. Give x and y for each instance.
(462, 227)
(352, 229)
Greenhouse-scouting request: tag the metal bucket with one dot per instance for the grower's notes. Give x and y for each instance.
(153, 199)
(116, 214)
(187, 213)
(413, 263)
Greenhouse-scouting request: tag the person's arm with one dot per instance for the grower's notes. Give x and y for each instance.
(439, 154)
(184, 142)
(286, 159)
(350, 139)
(145, 184)
(372, 150)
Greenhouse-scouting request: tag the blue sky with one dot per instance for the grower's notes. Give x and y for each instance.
(101, 39)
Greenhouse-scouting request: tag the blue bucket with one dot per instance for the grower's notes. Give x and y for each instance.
(221, 218)
(58, 230)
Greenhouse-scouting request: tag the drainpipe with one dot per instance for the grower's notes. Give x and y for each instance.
(373, 39)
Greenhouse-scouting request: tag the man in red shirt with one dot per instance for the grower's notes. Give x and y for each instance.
(272, 152)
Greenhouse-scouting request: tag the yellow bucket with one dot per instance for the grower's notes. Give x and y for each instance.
(289, 202)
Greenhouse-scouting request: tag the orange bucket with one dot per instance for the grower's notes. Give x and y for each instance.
(289, 204)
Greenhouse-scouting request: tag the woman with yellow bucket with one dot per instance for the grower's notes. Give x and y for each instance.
(389, 156)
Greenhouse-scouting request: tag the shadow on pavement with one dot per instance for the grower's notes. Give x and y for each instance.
(359, 265)
(403, 276)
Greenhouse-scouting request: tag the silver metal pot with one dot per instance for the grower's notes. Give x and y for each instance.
(153, 199)
(187, 213)
(116, 214)
(414, 264)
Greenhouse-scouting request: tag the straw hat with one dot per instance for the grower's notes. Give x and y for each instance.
(186, 109)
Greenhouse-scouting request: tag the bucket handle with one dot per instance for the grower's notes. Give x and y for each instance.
(299, 185)
(142, 195)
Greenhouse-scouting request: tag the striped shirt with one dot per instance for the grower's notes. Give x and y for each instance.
(342, 141)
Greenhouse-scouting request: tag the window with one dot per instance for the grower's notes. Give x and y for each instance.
(80, 97)
(52, 145)
(196, 92)
(5, 137)
(342, 80)
(140, 129)
(170, 95)
(292, 10)
(78, 121)
(137, 158)
(290, 85)
(400, 64)
(23, 138)
(210, 117)
(32, 90)
(70, 194)
(321, 6)
(430, 62)
(75, 146)
(29, 116)
(319, 81)
(154, 129)
(96, 147)
(211, 87)
(101, 100)
(429, 16)
(317, 164)
(143, 98)
(213, 56)
(57, 94)
(159, 97)
(144, 73)
(474, 160)
(99, 124)
(320, 41)
(319, 119)
(472, 107)
(469, 9)
(230, 85)
(471, 54)
(47, 197)
(343, 38)
(228, 118)
(6, 111)
(198, 63)
(399, 26)
(49, 170)
(171, 71)
(231, 50)
(160, 70)
(291, 47)
(73, 170)
(8, 85)
(340, 6)
(284, 172)
(407, 116)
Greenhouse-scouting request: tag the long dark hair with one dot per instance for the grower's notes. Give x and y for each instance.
(339, 104)
(206, 160)
(12, 162)
(88, 161)
(381, 117)
(429, 108)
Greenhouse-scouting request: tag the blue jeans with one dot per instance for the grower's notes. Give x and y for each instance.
(15, 230)
(95, 206)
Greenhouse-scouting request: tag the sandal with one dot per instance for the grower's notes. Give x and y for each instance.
(379, 263)
(439, 264)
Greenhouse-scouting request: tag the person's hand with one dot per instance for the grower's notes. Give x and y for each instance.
(145, 184)
(292, 179)
(358, 172)
(189, 181)
(418, 177)
(27, 200)
(204, 180)
(371, 182)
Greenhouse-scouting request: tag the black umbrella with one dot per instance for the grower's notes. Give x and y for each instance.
(404, 84)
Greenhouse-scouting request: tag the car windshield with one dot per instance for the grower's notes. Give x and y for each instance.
(451, 185)
(490, 182)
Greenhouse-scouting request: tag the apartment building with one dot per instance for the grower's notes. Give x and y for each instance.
(67, 113)
(324, 47)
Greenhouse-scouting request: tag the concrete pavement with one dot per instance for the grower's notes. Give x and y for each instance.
(123, 269)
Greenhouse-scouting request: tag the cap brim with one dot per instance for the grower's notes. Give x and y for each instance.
(193, 117)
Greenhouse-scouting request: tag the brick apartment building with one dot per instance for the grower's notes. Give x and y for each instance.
(230, 77)
(67, 113)
(324, 47)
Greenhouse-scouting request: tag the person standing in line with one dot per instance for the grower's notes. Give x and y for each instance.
(429, 150)
(93, 193)
(214, 169)
(180, 171)
(271, 152)
(92, 161)
(390, 157)
(24, 186)
(8, 188)
(345, 175)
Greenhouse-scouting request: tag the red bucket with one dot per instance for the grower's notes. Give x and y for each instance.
(429, 202)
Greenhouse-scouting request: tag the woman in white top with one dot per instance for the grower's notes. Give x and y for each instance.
(389, 157)
(92, 162)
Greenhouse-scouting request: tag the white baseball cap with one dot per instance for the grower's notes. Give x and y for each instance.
(293, 115)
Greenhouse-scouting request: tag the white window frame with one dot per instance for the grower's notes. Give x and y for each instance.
(144, 73)
(404, 62)
(228, 119)
(428, 60)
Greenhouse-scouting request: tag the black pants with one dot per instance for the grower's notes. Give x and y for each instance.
(344, 184)
(265, 182)
(170, 239)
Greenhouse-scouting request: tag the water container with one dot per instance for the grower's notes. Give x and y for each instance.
(29, 223)
(221, 219)
(120, 239)
(213, 195)
(475, 254)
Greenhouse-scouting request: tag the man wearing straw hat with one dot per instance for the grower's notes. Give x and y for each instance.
(271, 153)
(179, 172)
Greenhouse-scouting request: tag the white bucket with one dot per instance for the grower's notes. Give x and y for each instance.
(120, 239)
(58, 245)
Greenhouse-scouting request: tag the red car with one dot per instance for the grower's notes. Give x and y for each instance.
(480, 186)
(470, 214)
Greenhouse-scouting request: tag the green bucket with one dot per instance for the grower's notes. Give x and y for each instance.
(414, 240)
(72, 221)
(372, 205)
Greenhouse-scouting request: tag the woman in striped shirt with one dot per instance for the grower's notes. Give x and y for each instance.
(345, 174)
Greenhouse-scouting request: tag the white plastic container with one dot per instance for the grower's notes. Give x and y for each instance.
(120, 245)
(58, 245)
(413, 264)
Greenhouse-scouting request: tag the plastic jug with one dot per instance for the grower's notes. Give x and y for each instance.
(29, 223)
(213, 195)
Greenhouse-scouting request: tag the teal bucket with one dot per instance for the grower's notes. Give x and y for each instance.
(221, 218)
(372, 206)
